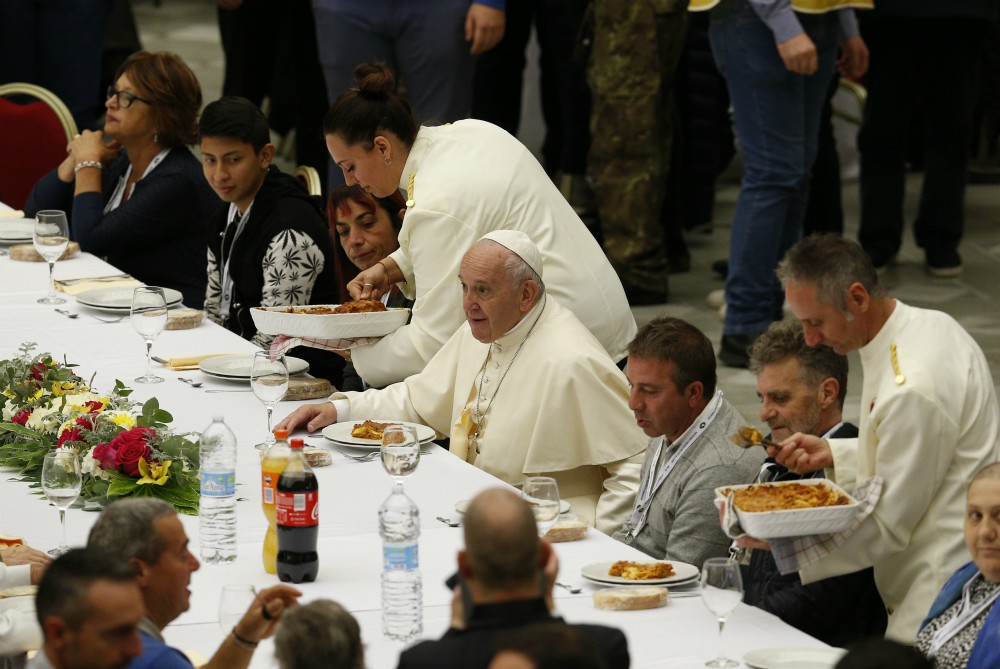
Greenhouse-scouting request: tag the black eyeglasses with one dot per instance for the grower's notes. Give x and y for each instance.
(124, 98)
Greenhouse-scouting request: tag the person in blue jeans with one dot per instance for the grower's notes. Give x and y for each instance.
(777, 63)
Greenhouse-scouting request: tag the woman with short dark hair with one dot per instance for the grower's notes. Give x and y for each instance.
(141, 200)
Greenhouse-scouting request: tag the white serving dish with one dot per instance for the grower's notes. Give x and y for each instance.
(795, 522)
(271, 320)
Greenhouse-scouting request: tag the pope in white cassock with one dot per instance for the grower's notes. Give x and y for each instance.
(522, 388)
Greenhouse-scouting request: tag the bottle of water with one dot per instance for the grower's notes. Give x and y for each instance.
(217, 507)
(402, 596)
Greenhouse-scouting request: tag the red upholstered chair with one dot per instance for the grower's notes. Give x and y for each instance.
(33, 139)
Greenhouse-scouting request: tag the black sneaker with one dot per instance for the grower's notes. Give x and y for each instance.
(640, 297)
(721, 267)
(733, 351)
(881, 259)
(943, 264)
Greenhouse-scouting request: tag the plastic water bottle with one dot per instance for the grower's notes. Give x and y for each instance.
(217, 506)
(402, 595)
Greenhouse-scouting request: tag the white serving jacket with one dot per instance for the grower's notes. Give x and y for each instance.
(926, 437)
(561, 411)
(470, 178)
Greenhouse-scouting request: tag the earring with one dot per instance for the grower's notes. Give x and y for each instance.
(387, 160)
(156, 138)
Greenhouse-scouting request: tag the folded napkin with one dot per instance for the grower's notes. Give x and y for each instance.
(186, 362)
(77, 286)
(793, 553)
(282, 344)
(11, 213)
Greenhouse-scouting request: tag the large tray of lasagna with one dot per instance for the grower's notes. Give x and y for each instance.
(791, 508)
(316, 321)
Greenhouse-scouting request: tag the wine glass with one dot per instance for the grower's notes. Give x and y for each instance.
(50, 236)
(149, 317)
(61, 482)
(400, 452)
(234, 601)
(269, 380)
(722, 591)
(542, 494)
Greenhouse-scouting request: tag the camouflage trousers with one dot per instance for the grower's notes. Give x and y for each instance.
(637, 47)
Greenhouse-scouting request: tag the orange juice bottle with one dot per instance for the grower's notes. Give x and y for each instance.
(271, 465)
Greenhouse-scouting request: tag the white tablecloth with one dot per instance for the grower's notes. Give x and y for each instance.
(683, 634)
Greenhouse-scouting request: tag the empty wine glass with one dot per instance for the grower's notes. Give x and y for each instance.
(149, 317)
(400, 452)
(269, 380)
(234, 601)
(722, 591)
(50, 236)
(542, 494)
(61, 482)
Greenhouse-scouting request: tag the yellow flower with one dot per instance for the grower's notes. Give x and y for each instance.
(9, 394)
(64, 388)
(120, 418)
(157, 474)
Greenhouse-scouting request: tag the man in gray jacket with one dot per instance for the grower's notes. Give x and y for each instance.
(671, 370)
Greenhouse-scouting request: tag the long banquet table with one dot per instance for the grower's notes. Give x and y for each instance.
(683, 634)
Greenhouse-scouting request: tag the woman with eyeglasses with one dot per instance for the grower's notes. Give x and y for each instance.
(140, 200)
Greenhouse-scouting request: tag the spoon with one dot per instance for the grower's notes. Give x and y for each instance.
(67, 314)
(449, 522)
(190, 382)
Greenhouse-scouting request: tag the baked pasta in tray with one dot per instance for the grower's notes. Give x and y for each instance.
(641, 571)
(763, 497)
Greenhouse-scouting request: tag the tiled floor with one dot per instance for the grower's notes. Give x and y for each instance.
(189, 28)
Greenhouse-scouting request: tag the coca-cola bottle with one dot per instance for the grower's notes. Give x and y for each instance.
(298, 519)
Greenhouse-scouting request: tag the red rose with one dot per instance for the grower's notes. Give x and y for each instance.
(105, 455)
(129, 447)
(86, 422)
(21, 417)
(72, 434)
(38, 371)
(93, 406)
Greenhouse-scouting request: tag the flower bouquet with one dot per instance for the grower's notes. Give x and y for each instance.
(125, 449)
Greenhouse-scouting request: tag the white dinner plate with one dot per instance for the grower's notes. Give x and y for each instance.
(118, 299)
(16, 230)
(237, 367)
(598, 572)
(341, 433)
(463, 504)
(794, 658)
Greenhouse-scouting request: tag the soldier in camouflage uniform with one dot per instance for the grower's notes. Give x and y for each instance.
(637, 46)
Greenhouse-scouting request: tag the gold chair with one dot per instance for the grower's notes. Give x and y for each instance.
(33, 139)
(309, 178)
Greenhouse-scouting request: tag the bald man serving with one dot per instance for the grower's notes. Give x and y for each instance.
(522, 388)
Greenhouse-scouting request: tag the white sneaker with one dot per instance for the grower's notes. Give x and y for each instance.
(716, 298)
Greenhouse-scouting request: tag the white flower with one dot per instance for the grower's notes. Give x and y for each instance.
(43, 420)
(93, 467)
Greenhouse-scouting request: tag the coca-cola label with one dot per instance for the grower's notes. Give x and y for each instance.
(218, 484)
(400, 556)
(298, 509)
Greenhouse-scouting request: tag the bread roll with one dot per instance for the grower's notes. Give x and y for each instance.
(317, 457)
(631, 598)
(567, 529)
(184, 319)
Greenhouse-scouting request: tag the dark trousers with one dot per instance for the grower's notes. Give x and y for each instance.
(926, 65)
(499, 80)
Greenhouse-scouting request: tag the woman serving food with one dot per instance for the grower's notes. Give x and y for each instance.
(461, 181)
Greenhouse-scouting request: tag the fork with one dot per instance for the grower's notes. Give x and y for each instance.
(367, 457)
(573, 590)
(109, 320)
